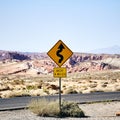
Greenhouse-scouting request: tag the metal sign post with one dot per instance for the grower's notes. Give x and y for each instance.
(60, 95)
(59, 53)
(60, 72)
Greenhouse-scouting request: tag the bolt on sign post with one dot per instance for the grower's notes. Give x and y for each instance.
(59, 53)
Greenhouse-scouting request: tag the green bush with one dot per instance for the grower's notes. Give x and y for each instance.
(70, 109)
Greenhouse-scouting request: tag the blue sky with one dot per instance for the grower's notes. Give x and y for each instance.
(36, 25)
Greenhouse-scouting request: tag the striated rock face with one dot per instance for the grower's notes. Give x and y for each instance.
(15, 63)
(83, 58)
(78, 58)
(92, 62)
(4, 55)
(17, 56)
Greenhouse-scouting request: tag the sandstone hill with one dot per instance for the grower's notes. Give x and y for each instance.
(40, 63)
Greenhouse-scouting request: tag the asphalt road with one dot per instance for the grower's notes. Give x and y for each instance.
(21, 102)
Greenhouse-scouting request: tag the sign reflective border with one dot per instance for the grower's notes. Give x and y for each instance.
(60, 72)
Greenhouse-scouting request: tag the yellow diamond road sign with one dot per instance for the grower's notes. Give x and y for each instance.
(60, 53)
(60, 72)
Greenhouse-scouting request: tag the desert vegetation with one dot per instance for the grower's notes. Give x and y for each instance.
(16, 85)
(45, 108)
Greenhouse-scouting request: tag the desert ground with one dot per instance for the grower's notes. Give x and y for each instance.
(41, 85)
(106, 111)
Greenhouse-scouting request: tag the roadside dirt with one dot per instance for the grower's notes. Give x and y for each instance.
(94, 111)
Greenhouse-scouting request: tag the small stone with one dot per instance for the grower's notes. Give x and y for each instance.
(118, 114)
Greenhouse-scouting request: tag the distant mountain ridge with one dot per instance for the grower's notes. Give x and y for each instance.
(109, 50)
(4, 55)
(93, 55)
(40, 63)
(21, 55)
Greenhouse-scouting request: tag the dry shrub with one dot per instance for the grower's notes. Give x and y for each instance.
(19, 93)
(4, 87)
(70, 90)
(31, 87)
(18, 82)
(43, 107)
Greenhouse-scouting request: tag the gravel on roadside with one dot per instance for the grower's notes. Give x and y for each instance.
(94, 111)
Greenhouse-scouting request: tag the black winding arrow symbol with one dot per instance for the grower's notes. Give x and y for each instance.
(60, 49)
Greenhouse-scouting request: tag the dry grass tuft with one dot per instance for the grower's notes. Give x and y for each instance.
(43, 107)
(70, 90)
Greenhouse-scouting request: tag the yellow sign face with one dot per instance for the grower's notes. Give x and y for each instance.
(60, 72)
(60, 53)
